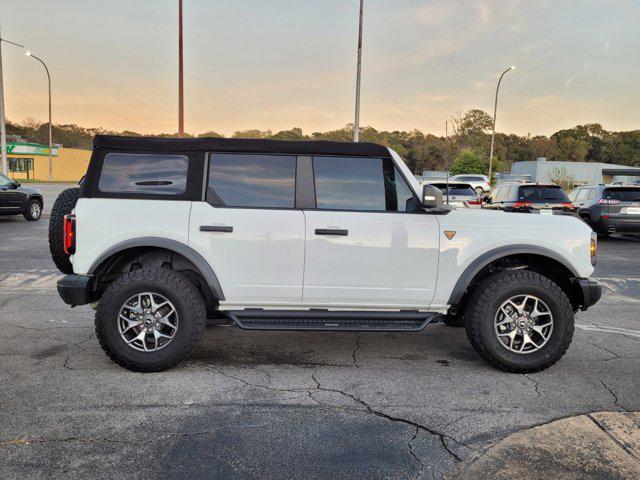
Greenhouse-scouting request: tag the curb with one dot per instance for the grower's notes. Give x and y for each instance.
(598, 445)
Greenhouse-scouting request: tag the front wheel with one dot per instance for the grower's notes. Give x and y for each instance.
(150, 319)
(33, 211)
(519, 321)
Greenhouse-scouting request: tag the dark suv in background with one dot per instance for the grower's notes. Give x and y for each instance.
(16, 199)
(609, 208)
(540, 198)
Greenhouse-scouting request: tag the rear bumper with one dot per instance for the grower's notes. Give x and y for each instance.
(619, 224)
(75, 289)
(590, 292)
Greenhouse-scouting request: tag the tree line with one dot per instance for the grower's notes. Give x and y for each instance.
(465, 150)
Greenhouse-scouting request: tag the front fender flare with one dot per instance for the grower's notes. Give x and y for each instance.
(492, 255)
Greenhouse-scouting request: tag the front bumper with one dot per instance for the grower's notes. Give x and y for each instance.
(75, 289)
(589, 292)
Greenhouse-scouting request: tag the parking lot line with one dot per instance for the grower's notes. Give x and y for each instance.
(613, 330)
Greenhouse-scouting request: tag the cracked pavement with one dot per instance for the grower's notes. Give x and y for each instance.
(284, 404)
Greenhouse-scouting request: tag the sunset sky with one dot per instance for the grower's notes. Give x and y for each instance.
(278, 64)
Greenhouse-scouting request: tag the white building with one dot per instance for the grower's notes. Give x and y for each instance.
(542, 170)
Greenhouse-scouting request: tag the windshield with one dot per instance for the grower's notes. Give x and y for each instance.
(622, 194)
(455, 189)
(4, 180)
(545, 194)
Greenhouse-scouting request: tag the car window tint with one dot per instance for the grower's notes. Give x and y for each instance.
(398, 193)
(573, 195)
(252, 180)
(143, 173)
(347, 183)
(593, 193)
(4, 180)
(542, 194)
(622, 194)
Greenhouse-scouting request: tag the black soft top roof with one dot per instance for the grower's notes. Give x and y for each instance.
(240, 145)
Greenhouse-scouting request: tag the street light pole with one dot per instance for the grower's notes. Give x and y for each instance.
(495, 110)
(356, 123)
(180, 75)
(29, 54)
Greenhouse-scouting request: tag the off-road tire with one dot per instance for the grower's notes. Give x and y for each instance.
(63, 205)
(456, 321)
(175, 287)
(27, 213)
(484, 303)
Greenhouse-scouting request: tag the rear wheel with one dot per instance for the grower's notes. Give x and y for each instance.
(33, 211)
(63, 205)
(519, 321)
(150, 319)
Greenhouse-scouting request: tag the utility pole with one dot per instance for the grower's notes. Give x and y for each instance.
(495, 110)
(356, 123)
(180, 76)
(3, 128)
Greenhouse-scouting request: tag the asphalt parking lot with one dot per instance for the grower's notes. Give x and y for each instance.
(284, 405)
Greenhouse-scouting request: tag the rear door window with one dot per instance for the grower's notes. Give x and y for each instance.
(252, 180)
(149, 174)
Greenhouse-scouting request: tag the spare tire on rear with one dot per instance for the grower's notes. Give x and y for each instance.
(63, 205)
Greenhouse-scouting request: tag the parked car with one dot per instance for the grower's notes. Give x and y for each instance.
(530, 198)
(278, 235)
(459, 194)
(479, 183)
(609, 208)
(16, 199)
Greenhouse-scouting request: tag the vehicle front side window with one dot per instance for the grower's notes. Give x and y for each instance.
(143, 173)
(252, 180)
(361, 184)
(573, 195)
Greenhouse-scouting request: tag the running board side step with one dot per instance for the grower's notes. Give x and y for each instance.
(325, 320)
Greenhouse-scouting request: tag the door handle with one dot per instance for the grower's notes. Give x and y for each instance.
(216, 228)
(332, 231)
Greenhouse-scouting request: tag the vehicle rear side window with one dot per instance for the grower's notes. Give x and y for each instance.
(622, 194)
(252, 180)
(456, 189)
(149, 174)
(541, 193)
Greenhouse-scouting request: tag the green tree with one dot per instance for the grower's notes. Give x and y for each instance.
(471, 161)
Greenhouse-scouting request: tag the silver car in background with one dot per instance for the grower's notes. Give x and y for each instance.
(460, 194)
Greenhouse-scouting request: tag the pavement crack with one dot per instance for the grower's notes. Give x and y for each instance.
(535, 383)
(442, 436)
(355, 351)
(613, 394)
(413, 453)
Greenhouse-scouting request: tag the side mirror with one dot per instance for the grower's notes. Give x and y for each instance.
(431, 197)
(487, 199)
(17, 184)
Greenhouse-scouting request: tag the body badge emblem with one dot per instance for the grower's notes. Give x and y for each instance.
(449, 234)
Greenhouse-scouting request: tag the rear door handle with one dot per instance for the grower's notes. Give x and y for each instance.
(332, 231)
(216, 228)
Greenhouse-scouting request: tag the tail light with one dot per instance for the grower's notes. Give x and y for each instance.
(608, 201)
(567, 204)
(522, 204)
(475, 201)
(69, 238)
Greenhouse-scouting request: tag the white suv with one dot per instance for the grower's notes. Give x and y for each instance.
(480, 183)
(273, 235)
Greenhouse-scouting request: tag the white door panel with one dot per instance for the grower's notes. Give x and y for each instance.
(261, 260)
(386, 259)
